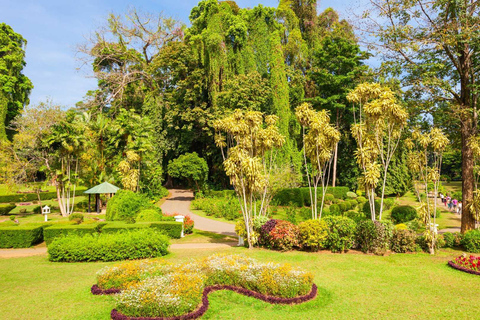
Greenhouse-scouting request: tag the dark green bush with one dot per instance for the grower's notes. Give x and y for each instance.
(37, 210)
(313, 234)
(402, 214)
(125, 205)
(354, 215)
(6, 208)
(335, 210)
(286, 196)
(471, 241)
(76, 217)
(135, 244)
(341, 233)
(374, 236)
(220, 194)
(56, 231)
(388, 203)
(150, 214)
(403, 241)
(20, 236)
(343, 206)
(366, 209)
(449, 239)
(329, 198)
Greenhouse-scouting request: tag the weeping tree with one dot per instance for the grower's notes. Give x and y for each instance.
(378, 124)
(249, 142)
(425, 162)
(319, 141)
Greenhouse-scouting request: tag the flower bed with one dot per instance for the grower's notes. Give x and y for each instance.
(158, 290)
(469, 264)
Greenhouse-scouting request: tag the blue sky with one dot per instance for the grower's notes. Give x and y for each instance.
(53, 29)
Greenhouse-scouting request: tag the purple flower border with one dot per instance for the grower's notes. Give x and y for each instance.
(456, 266)
(116, 315)
(96, 290)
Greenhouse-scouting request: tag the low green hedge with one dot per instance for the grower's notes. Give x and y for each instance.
(220, 194)
(6, 208)
(134, 244)
(27, 197)
(115, 227)
(50, 233)
(301, 196)
(20, 236)
(171, 228)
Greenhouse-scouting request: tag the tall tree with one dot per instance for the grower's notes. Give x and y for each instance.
(14, 85)
(434, 46)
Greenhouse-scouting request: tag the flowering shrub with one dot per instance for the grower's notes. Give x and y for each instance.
(313, 234)
(279, 234)
(188, 222)
(159, 289)
(468, 262)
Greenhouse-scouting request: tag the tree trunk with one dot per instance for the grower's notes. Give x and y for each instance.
(468, 221)
(335, 157)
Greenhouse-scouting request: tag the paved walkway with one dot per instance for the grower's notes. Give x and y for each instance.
(179, 202)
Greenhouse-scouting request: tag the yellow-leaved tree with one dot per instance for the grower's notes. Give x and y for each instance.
(249, 142)
(425, 161)
(319, 141)
(378, 124)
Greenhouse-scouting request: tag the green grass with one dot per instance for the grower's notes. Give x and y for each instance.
(351, 286)
(9, 189)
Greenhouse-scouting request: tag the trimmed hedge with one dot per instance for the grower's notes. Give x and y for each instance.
(171, 228)
(135, 244)
(50, 233)
(27, 197)
(301, 196)
(6, 208)
(20, 236)
(220, 194)
(115, 227)
(471, 241)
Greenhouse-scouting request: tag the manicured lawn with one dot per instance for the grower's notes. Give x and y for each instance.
(9, 189)
(351, 286)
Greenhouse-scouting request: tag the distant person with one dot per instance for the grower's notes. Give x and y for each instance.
(454, 204)
(441, 196)
(447, 200)
(449, 203)
(459, 207)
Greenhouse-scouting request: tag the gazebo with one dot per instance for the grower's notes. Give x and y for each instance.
(103, 188)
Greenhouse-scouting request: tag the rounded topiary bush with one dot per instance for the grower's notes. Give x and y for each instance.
(335, 209)
(403, 241)
(150, 214)
(471, 241)
(125, 205)
(351, 195)
(313, 234)
(341, 233)
(401, 214)
(374, 236)
(329, 198)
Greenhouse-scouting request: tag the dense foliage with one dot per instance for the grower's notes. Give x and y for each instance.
(137, 244)
(125, 206)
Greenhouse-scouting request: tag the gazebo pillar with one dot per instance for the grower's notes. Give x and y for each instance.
(89, 196)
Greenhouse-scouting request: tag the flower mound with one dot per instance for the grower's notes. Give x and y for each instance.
(158, 290)
(469, 264)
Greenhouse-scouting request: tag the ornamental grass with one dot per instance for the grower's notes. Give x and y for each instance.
(159, 289)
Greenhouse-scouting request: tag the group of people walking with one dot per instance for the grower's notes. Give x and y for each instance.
(452, 204)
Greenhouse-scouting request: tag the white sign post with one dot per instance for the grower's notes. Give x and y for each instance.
(180, 219)
(45, 212)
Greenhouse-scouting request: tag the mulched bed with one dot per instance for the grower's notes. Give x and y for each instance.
(116, 315)
(456, 266)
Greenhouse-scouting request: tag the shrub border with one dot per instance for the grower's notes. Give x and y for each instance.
(456, 266)
(116, 315)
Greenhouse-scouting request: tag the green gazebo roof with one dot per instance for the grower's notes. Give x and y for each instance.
(103, 188)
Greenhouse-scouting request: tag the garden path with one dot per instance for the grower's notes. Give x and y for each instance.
(179, 202)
